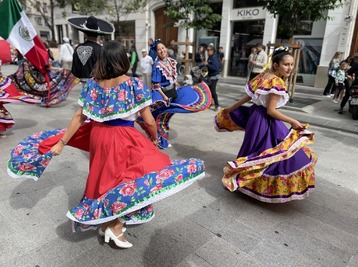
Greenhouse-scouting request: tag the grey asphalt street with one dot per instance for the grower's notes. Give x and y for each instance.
(204, 225)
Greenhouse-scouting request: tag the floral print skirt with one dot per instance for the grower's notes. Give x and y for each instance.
(127, 172)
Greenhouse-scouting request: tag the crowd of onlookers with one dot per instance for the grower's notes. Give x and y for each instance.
(341, 77)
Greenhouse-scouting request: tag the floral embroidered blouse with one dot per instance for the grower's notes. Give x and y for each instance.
(259, 89)
(122, 101)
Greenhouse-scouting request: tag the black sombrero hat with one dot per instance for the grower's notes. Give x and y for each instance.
(91, 24)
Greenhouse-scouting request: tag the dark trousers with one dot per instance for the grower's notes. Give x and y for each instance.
(347, 95)
(213, 91)
(330, 87)
(134, 70)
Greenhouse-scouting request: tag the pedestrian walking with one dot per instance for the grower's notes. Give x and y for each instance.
(352, 75)
(250, 66)
(222, 57)
(134, 60)
(151, 48)
(340, 82)
(199, 56)
(127, 172)
(332, 71)
(66, 54)
(213, 64)
(146, 63)
(259, 61)
(274, 163)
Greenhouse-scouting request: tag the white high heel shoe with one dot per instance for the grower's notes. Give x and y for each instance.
(108, 234)
(101, 232)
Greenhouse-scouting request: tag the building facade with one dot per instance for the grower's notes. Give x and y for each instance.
(244, 24)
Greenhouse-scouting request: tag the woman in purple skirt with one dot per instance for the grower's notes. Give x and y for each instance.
(274, 163)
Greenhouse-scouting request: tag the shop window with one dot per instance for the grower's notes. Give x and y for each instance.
(247, 3)
(245, 36)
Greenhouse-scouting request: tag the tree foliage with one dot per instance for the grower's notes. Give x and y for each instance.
(86, 7)
(293, 12)
(188, 14)
(123, 8)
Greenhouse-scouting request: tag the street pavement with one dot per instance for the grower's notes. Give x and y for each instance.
(204, 225)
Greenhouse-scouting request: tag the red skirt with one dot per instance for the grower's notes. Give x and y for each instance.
(119, 154)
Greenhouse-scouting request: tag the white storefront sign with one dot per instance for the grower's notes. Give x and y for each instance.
(251, 13)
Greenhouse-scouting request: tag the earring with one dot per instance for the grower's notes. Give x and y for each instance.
(277, 73)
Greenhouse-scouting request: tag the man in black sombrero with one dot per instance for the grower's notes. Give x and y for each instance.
(86, 54)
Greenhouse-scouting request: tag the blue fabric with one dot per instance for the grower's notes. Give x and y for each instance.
(104, 104)
(214, 65)
(119, 122)
(158, 77)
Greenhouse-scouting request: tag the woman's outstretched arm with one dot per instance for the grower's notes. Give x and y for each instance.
(77, 120)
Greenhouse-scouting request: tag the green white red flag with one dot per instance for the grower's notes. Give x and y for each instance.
(17, 30)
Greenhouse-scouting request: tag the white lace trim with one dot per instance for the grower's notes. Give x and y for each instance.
(14, 175)
(278, 199)
(114, 116)
(143, 204)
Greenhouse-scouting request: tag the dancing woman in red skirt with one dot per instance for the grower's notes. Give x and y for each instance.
(127, 172)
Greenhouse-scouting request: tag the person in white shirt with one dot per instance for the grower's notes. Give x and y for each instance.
(146, 63)
(258, 62)
(66, 53)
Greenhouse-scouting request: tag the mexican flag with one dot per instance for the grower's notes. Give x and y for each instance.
(17, 30)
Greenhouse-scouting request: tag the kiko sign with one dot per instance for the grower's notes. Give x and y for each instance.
(253, 13)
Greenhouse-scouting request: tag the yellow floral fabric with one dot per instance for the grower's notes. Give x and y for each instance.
(248, 175)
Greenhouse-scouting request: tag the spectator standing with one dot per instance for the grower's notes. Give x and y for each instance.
(55, 53)
(249, 64)
(66, 54)
(352, 74)
(340, 82)
(151, 47)
(222, 57)
(86, 53)
(146, 63)
(258, 62)
(199, 56)
(134, 60)
(332, 71)
(213, 64)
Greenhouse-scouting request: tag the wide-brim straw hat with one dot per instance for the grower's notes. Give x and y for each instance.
(91, 24)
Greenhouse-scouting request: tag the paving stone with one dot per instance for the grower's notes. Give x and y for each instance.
(194, 260)
(220, 253)
(211, 219)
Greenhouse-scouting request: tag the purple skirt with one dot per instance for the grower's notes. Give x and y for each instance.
(274, 163)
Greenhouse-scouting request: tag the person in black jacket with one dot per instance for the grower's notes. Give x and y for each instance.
(352, 75)
(213, 64)
(86, 54)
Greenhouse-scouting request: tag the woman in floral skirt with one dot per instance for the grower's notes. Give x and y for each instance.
(274, 164)
(127, 172)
